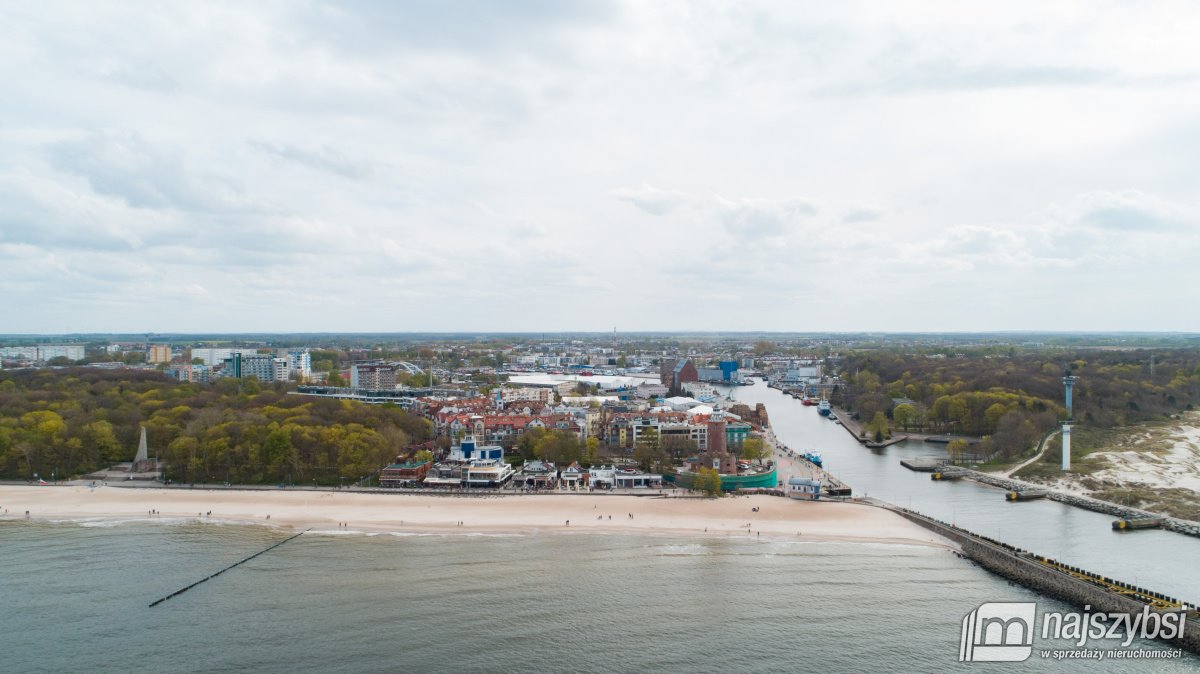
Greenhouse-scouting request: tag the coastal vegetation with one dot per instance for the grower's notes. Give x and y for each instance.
(75, 421)
(708, 481)
(1012, 399)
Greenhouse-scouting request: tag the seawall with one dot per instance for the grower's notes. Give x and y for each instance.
(1046, 576)
(1185, 527)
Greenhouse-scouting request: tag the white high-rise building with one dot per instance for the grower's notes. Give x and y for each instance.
(19, 352)
(211, 356)
(300, 362)
(264, 367)
(71, 352)
(373, 376)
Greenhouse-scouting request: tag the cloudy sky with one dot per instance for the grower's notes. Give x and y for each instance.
(506, 166)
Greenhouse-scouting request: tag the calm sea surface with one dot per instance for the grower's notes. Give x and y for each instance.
(73, 597)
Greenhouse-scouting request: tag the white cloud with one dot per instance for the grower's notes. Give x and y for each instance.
(759, 218)
(1125, 211)
(651, 199)
(384, 166)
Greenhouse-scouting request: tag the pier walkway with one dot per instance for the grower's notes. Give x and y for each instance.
(1054, 578)
(789, 461)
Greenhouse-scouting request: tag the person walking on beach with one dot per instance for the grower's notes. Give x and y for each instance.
(568, 523)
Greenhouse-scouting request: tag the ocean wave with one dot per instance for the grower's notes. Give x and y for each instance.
(110, 522)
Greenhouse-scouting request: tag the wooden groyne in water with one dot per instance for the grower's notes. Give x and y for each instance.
(1051, 577)
(180, 591)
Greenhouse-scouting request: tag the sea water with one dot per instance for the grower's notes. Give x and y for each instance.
(74, 596)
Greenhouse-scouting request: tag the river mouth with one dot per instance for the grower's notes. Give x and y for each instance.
(1075, 536)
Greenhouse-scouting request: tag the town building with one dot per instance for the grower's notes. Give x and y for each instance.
(676, 435)
(43, 352)
(537, 394)
(717, 455)
(726, 372)
(19, 353)
(675, 373)
(211, 356)
(190, 373)
(264, 367)
(299, 363)
(373, 376)
(158, 353)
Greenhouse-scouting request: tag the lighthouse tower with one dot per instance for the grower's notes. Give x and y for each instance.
(1068, 382)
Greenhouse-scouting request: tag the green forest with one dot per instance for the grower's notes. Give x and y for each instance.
(1011, 401)
(72, 422)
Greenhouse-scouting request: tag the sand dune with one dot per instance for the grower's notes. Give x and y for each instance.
(601, 513)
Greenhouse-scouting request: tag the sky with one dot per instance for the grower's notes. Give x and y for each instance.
(353, 166)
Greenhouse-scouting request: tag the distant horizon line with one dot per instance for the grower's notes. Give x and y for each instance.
(31, 335)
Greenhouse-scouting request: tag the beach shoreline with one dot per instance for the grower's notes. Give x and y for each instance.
(351, 512)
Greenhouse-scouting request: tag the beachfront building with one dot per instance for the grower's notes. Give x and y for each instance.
(404, 474)
(573, 477)
(631, 478)
(472, 466)
(803, 488)
(602, 477)
(488, 474)
(536, 474)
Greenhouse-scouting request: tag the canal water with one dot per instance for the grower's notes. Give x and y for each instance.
(1158, 560)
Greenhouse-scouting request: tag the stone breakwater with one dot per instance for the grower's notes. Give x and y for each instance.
(1037, 573)
(1185, 527)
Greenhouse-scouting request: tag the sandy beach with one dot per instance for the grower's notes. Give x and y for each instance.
(542, 514)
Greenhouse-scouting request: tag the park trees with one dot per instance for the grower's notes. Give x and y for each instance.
(754, 449)
(905, 415)
(75, 421)
(679, 446)
(590, 454)
(878, 428)
(558, 446)
(708, 481)
(956, 449)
